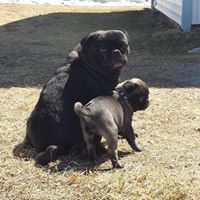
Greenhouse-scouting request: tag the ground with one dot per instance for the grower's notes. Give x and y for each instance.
(34, 41)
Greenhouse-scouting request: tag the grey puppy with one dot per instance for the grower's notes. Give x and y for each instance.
(108, 116)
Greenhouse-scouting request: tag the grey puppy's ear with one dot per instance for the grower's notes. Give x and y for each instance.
(129, 87)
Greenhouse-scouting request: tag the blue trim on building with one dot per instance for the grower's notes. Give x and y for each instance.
(186, 20)
(152, 5)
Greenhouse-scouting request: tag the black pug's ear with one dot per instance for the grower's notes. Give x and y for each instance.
(74, 53)
(129, 87)
(87, 40)
(126, 33)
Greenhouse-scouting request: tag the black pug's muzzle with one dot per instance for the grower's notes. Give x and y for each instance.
(118, 59)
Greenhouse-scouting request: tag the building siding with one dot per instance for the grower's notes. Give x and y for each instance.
(196, 12)
(171, 8)
(183, 12)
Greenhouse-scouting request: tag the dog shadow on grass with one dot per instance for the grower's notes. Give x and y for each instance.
(72, 161)
(31, 49)
(85, 166)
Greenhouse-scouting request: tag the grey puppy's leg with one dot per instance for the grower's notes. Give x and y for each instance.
(88, 135)
(111, 136)
(130, 137)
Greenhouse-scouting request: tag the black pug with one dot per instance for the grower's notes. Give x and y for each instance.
(93, 69)
(109, 116)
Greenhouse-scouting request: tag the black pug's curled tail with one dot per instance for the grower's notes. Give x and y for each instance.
(82, 112)
(43, 158)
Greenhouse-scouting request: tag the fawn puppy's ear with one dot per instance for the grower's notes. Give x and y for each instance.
(129, 87)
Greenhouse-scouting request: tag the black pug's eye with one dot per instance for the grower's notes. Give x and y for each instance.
(102, 50)
(124, 49)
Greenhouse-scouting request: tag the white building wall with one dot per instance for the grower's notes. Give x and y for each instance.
(196, 12)
(171, 8)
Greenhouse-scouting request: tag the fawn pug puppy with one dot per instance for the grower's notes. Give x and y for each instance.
(109, 116)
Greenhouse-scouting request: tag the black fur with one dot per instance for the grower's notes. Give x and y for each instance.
(93, 71)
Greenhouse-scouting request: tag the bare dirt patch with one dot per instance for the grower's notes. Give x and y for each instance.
(34, 41)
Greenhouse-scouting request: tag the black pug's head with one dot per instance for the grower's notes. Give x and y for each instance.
(137, 93)
(105, 49)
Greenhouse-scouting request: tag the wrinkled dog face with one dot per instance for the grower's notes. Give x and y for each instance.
(105, 49)
(137, 93)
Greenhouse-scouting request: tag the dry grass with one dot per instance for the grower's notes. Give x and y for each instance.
(169, 132)
(9, 14)
(168, 168)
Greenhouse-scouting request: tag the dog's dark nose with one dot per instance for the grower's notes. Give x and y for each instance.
(117, 52)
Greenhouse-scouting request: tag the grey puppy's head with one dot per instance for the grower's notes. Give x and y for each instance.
(137, 93)
(105, 49)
